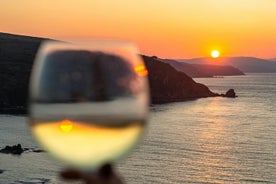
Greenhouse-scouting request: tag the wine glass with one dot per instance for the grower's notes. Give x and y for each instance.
(88, 101)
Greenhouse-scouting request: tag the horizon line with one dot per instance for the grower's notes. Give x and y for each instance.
(173, 58)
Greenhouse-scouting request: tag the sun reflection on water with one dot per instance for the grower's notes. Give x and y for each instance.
(214, 142)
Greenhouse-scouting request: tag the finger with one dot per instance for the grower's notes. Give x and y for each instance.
(70, 174)
(106, 171)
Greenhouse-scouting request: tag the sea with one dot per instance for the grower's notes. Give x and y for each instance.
(208, 140)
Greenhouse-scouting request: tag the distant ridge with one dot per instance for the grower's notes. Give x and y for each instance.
(203, 70)
(272, 59)
(246, 64)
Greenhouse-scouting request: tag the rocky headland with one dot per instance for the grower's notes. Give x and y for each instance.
(169, 85)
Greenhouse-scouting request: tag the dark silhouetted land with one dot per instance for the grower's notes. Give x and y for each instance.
(17, 54)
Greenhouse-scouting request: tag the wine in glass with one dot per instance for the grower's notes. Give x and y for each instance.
(88, 102)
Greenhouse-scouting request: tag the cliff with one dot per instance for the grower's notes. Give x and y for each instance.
(170, 85)
(16, 58)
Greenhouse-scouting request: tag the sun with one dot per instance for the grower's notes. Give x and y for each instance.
(215, 53)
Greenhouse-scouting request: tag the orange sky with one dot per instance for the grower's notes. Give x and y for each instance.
(166, 28)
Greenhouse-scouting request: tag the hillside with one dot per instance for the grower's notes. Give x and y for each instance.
(217, 70)
(246, 64)
(272, 59)
(16, 58)
(186, 68)
(203, 70)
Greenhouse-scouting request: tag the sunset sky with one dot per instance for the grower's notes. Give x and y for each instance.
(166, 28)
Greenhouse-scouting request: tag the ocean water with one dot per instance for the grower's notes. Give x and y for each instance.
(209, 140)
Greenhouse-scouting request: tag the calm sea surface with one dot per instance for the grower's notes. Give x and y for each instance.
(210, 140)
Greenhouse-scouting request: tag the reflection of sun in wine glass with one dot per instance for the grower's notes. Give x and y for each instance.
(141, 70)
(66, 126)
(215, 53)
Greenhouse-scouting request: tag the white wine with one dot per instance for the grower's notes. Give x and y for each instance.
(87, 135)
(87, 144)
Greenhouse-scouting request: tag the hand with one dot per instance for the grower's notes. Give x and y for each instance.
(105, 175)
